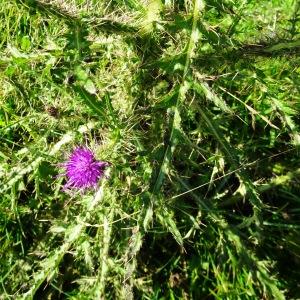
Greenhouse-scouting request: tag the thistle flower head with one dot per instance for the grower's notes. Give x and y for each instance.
(83, 170)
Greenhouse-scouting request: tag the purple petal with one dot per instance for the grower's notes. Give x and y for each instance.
(83, 170)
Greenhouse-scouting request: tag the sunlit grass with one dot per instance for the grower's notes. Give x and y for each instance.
(196, 106)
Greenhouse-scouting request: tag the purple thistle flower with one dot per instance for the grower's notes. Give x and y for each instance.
(83, 170)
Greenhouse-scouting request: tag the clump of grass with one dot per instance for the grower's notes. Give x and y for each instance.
(195, 104)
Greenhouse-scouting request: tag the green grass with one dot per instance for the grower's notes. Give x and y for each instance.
(196, 105)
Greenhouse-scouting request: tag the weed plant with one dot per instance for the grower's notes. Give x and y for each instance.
(195, 103)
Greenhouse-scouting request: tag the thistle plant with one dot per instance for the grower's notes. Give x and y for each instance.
(195, 103)
(83, 170)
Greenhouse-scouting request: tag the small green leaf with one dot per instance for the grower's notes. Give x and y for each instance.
(166, 219)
